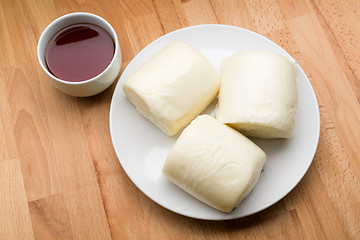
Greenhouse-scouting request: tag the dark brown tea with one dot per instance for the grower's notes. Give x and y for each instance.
(79, 52)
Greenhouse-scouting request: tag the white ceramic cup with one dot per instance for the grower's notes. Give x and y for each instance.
(91, 86)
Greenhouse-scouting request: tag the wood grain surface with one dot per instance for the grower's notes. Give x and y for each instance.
(60, 177)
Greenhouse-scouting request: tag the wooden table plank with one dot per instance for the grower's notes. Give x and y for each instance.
(15, 219)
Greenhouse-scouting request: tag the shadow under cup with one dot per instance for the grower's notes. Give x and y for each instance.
(91, 86)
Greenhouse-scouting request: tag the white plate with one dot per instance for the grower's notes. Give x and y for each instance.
(142, 148)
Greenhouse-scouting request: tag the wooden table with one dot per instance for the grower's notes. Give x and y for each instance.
(60, 177)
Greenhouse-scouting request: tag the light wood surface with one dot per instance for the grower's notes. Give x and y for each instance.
(60, 177)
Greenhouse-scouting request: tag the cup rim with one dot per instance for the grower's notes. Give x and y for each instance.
(62, 18)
